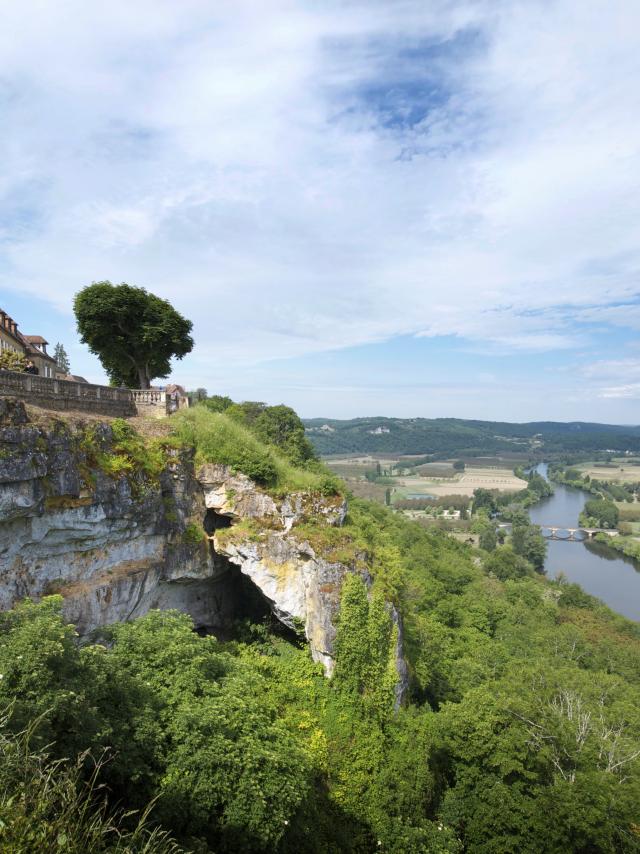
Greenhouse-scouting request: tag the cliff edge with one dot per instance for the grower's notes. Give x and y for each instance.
(119, 525)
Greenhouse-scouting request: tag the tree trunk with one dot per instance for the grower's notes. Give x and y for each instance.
(143, 376)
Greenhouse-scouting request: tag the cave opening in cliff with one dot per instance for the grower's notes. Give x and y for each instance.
(214, 521)
(235, 608)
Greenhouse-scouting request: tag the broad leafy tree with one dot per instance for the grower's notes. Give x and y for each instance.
(134, 333)
(483, 499)
(218, 402)
(527, 541)
(604, 513)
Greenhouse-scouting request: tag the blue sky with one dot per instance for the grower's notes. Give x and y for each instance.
(397, 208)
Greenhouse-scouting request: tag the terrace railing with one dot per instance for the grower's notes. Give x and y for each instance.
(86, 397)
(67, 394)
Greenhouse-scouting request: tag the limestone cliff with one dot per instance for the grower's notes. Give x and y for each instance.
(116, 543)
(302, 587)
(113, 546)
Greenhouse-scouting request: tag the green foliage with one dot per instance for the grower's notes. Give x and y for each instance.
(12, 361)
(520, 731)
(446, 438)
(483, 499)
(193, 534)
(280, 426)
(488, 538)
(539, 486)
(198, 395)
(62, 359)
(365, 647)
(122, 451)
(601, 513)
(220, 438)
(232, 771)
(459, 465)
(49, 805)
(629, 546)
(505, 564)
(134, 333)
(217, 403)
(551, 747)
(528, 542)
(274, 425)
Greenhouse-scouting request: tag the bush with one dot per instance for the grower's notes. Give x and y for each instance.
(12, 361)
(193, 535)
(504, 563)
(220, 438)
(48, 806)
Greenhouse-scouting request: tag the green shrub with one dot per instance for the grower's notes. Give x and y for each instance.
(50, 806)
(11, 361)
(220, 438)
(193, 535)
(126, 454)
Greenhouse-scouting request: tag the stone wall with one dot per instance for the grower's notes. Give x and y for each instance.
(150, 402)
(62, 395)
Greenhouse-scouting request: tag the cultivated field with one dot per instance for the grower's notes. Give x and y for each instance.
(620, 472)
(356, 466)
(463, 484)
(430, 479)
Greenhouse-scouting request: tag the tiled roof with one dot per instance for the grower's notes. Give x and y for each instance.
(17, 335)
(33, 350)
(36, 339)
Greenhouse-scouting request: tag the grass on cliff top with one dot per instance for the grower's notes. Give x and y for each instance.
(219, 439)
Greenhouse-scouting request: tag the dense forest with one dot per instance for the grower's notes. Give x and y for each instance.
(520, 731)
(447, 437)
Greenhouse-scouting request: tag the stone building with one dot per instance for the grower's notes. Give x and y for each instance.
(32, 347)
(10, 337)
(36, 350)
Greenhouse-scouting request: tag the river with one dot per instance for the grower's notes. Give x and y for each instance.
(601, 571)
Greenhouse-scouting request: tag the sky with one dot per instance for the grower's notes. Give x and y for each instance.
(390, 207)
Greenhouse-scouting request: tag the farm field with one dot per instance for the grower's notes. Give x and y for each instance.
(463, 484)
(619, 471)
(435, 479)
(355, 467)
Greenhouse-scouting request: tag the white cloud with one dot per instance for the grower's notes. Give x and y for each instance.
(628, 391)
(613, 368)
(260, 165)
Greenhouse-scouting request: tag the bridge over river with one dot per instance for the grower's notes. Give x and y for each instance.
(561, 532)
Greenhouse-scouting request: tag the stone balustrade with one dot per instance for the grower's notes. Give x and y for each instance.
(83, 397)
(150, 401)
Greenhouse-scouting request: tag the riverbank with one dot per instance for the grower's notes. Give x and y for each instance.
(621, 496)
(598, 567)
(629, 546)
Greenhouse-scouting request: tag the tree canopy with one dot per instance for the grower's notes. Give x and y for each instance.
(134, 333)
(605, 514)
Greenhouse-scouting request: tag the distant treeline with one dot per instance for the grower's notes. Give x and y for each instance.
(608, 489)
(446, 502)
(449, 437)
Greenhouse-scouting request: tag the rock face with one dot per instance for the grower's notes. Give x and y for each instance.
(209, 543)
(112, 547)
(237, 497)
(301, 587)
